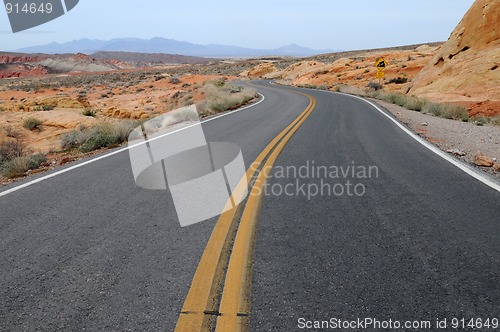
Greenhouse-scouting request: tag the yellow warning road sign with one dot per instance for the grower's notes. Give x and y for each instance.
(381, 64)
(380, 74)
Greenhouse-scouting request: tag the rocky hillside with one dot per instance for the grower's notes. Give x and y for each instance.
(21, 65)
(354, 68)
(29, 65)
(465, 68)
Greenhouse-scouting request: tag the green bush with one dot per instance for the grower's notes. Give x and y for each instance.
(396, 98)
(481, 121)
(432, 108)
(447, 111)
(72, 139)
(455, 112)
(32, 123)
(19, 166)
(399, 80)
(99, 136)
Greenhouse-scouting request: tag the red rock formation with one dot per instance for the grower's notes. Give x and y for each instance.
(465, 69)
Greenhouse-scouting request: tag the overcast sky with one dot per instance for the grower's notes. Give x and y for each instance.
(328, 24)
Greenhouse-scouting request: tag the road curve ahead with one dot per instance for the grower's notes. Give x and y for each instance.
(393, 231)
(421, 243)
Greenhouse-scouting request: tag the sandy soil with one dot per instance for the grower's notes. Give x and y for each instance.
(146, 98)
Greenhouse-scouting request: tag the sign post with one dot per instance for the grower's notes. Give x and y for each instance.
(381, 64)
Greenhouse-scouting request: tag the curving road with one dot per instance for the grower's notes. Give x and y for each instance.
(88, 249)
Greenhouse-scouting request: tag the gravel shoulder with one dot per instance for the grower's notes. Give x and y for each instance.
(464, 137)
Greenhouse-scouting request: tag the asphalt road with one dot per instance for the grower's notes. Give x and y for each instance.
(90, 250)
(422, 243)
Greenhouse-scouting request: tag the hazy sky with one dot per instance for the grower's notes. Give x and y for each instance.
(346, 25)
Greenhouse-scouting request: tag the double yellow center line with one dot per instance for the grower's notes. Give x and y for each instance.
(201, 310)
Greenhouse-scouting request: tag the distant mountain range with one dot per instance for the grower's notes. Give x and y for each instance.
(170, 46)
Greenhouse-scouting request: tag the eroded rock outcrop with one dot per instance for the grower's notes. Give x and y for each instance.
(466, 67)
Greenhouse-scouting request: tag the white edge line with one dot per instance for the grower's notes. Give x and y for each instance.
(46, 177)
(433, 148)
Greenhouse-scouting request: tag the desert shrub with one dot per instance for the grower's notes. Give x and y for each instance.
(73, 139)
(174, 80)
(10, 150)
(433, 108)
(99, 136)
(396, 98)
(398, 80)
(446, 111)
(123, 129)
(35, 160)
(41, 108)
(455, 112)
(89, 112)
(321, 72)
(185, 115)
(374, 85)
(415, 104)
(481, 121)
(375, 94)
(220, 82)
(495, 120)
(20, 165)
(187, 100)
(236, 89)
(178, 94)
(32, 123)
(313, 86)
(219, 98)
(12, 132)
